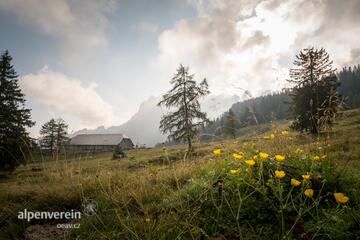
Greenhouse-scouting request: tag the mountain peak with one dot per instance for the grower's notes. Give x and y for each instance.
(143, 126)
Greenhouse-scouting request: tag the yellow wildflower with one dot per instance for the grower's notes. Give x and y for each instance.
(266, 137)
(285, 132)
(237, 156)
(341, 198)
(295, 183)
(316, 158)
(217, 152)
(299, 151)
(250, 162)
(279, 158)
(234, 171)
(263, 155)
(309, 193)
(306, 177)
(255, 157)
(280, 174)
(272, 136)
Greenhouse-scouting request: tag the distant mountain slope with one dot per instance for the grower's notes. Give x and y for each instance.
(143, 126)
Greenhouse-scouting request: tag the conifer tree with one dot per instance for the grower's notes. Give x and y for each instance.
(185, 118)
(53, 134)
(48, 135)
(14, 118)
(61, 132)
(315, 83)
(231, 124)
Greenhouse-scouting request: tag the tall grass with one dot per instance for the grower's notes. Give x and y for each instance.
(158, 194)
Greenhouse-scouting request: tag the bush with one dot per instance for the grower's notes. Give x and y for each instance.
(118, 153)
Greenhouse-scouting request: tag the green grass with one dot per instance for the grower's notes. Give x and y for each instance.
(158, 194)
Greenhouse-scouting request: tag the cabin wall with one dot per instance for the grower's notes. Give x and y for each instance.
(91, 148)
(124, 144)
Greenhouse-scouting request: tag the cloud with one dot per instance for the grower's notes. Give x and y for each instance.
(258, 38)
(355, 56)
(67, 96)
(251, 44)
(78, 25)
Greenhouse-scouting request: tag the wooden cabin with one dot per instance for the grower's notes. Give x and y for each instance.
(95, 143)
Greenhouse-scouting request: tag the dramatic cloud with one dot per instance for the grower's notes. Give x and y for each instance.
(251, 44)
(78, 25)
(67, 96)
(238, 45)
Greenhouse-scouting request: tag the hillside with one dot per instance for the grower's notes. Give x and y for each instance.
(158, 194)
(274, 106)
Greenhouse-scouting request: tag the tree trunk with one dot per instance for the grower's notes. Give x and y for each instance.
(187, 119)
(189, 144)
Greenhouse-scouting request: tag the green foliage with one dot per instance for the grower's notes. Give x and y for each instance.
(53, 135)
(14, 118)
(315, 101)
(184, 122)
(166, 198)
(254, 204)
(118, 153)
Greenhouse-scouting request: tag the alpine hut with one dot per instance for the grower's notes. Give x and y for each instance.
(99, 142)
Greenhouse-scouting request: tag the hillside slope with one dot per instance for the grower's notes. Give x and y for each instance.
(157, 194)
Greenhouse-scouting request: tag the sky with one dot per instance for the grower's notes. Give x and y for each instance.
(94, 62)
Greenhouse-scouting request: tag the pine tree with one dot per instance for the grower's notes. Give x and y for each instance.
(184, 121)
(48, 135)
(14, 118)
(61, 132)
(53, 134)
(231, 124)
(315, 82)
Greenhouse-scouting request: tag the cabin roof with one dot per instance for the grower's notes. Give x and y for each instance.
(98, 139)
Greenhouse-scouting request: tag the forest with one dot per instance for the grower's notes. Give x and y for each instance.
(275, 106)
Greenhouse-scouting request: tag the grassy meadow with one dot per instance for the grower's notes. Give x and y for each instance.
(217, 193)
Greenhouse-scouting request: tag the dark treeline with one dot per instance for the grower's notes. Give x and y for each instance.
(249, 112)
(275, 106)
(350, 85)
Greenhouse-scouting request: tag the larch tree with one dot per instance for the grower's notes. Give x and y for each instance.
(15, 118)
(315, 100)
(185, 117)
